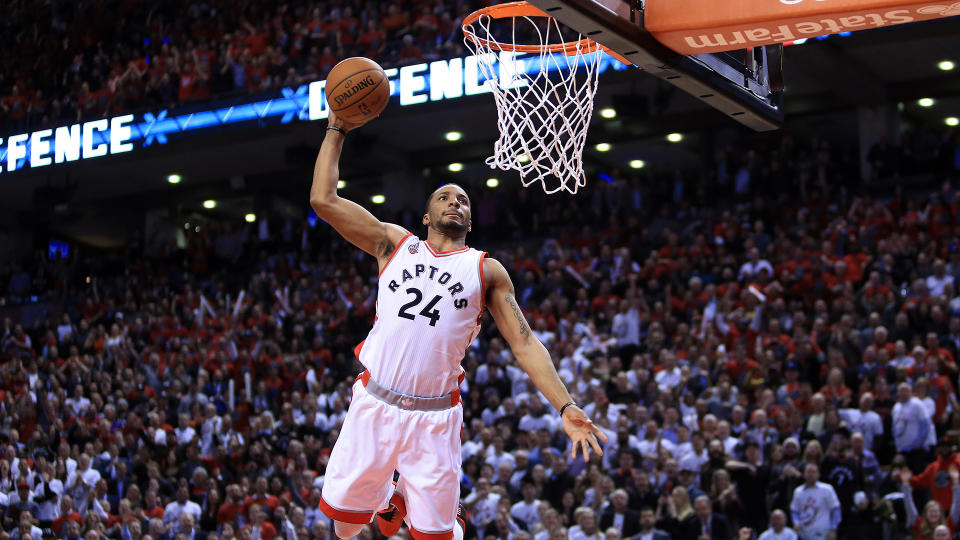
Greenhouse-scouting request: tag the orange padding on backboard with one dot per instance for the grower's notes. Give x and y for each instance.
(704, 26)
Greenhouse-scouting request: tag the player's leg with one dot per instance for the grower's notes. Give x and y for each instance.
(346, 530)
(429, 466)
(357, 481)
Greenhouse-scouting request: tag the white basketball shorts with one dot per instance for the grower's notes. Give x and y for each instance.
(376, 439)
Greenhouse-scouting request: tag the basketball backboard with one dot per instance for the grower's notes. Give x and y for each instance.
(746, 85)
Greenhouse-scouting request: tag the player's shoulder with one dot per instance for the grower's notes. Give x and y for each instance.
(395, 235)
(494, 273)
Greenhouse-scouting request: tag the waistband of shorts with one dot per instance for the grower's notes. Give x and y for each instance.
(407, 402)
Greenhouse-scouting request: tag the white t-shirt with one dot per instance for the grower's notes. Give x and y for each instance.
(50, 510)
(485, 510)
(495, 461)
(668, 378)
(470, 448)
(813, 505)
(751, 269)
(869, 424)
(912, 427)
(647, 446)
(935, 285)
(576, 533)
(693, 462)
(184, 435)
(526, 513)
(786, 534)
(171, 514)
(536, 423)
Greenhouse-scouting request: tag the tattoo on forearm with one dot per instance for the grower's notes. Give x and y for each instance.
(518, 314)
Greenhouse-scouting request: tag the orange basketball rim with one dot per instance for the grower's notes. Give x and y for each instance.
(525, 9)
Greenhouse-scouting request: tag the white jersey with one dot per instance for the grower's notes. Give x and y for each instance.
(428, 312)
(912, 428)
(811, 508)
(786, 534)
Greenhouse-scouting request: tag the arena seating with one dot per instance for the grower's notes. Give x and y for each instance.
(73, 61)
(722, 328)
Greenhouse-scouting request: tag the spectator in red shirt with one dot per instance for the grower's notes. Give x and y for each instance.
(941, 390)
(260, 497)
(410, 53)
(259, 527)
(396, 22)
(14, 105)
(425, 25)
(67, 513)
(151, 506)
(947, 363)
(739, 365)
(232, 506)
(935, 476)
(835, 392)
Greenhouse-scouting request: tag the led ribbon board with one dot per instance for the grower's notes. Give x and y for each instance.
(411, 85)
(710, 26)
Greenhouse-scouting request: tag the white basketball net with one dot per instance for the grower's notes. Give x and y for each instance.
(544, 100)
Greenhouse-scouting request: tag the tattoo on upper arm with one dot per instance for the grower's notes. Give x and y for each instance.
(521, 320)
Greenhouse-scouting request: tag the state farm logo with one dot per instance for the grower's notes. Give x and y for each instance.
(943, 11)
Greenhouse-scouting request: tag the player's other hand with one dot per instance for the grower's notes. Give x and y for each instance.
(582, 432)
(335, 120)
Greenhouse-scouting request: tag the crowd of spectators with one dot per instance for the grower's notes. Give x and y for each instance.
(761, 365)
(68, 60)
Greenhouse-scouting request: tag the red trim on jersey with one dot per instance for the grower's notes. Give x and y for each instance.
(455, 395)
(483, 287)
(436, 253)
(418, 535)
(395, 250)
(344, 516)
(358, 348)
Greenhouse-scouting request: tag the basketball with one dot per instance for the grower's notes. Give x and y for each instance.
(357, 90)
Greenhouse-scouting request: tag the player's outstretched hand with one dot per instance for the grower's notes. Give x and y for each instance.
(335, 120)
(582, 432)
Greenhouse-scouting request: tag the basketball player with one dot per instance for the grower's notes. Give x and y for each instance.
(405, 414)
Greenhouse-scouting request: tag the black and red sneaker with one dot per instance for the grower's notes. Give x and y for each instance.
(389, 520)
(462, 516)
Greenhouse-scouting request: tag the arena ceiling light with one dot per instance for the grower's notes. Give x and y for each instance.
(952, 121)
(341, 184)
(674, 137)
(523, 158)
(925, 102)
(250, 217)
(453, 136)
(603, 147)
(209, 204)
(946, 65)
(174, 178)
(492, 182)
(608, 113)
(378, 199)
(637, 164)
(455, 167)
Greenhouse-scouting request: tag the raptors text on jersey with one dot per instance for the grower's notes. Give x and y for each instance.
(428, 310)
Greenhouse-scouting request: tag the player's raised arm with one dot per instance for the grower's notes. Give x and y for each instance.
(534, 358)
(354, 222)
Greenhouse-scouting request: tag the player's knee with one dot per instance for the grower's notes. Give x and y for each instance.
(346, 530)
